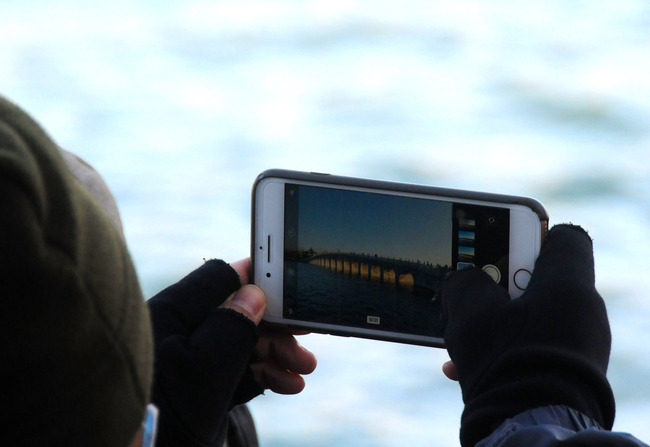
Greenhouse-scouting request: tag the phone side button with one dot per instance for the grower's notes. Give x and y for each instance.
(521, 278)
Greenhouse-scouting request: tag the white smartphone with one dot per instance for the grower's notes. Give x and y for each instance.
(366, 258)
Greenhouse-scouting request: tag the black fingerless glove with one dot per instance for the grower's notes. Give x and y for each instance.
(202, 355)
(549, 347)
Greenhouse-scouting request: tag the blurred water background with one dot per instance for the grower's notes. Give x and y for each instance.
(181, 104)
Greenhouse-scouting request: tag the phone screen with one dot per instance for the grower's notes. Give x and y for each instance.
(377, 261)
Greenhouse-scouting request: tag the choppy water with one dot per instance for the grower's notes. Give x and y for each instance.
(181, 104)
(347, 299)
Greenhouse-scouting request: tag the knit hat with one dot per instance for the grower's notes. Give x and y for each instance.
(75, 339)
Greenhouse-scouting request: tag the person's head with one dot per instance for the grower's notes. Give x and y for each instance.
(76, 351)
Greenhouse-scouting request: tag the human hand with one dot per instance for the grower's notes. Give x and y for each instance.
(278, 360)
(205, 339)
(549, 347)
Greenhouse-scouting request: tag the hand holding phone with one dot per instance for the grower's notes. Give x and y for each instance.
(549, 347)
(366, 258)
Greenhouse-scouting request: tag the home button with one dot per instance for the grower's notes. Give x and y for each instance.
(521, 278)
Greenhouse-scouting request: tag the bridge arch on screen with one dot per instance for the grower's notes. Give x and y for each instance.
(401, 273)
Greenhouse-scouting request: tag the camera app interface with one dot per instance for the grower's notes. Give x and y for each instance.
(377, 261)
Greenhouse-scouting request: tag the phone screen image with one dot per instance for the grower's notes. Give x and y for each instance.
(377, 261)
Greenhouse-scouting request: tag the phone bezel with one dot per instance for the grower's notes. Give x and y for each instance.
(528, 226)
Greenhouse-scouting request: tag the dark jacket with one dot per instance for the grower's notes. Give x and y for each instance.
(555, 426)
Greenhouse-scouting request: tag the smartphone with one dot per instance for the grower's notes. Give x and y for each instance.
(366, 258)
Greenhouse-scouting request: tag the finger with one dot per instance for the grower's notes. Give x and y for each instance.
(473, 306)
(449, 370)
(268, 328)
(249, 301)
(284, 350)
(271, 376)
(298, 332)
(242, 267)
(467, 293)
(181, 308)
(566, 262)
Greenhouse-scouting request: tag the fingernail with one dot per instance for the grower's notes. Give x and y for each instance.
(252, 300)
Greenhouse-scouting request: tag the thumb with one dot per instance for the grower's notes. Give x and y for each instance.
(249, 301)
(449, 370)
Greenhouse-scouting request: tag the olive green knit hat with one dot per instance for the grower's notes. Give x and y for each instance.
(76, 352)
